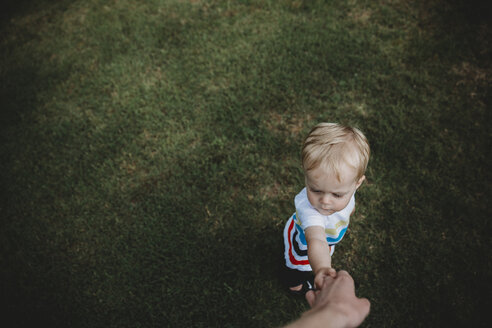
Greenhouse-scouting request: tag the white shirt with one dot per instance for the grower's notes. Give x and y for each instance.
(335, 224)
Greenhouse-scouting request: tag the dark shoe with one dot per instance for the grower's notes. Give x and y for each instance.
(306, 286)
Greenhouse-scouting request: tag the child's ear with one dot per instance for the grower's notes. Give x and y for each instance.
(362, 178)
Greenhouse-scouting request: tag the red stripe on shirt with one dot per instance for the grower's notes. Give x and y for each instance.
(291, 256)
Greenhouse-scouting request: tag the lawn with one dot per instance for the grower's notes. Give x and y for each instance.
(150, 155)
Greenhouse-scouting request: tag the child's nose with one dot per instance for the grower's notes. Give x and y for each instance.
(325, 199)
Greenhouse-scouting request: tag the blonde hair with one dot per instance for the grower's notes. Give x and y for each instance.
(332, 145)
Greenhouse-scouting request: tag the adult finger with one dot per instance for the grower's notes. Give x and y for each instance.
(344, 273)
(364, 306)
(346, 280)
(310, 298)
(361, 310)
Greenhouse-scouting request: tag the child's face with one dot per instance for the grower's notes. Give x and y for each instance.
(328, 195)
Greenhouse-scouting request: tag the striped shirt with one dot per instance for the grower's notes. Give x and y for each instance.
(306, 215)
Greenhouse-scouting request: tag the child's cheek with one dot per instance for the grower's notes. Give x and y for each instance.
(341, 204)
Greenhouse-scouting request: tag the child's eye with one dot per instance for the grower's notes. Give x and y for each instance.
(337, 195)
(316, 191)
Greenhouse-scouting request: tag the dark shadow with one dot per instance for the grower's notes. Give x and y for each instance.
(13, 8)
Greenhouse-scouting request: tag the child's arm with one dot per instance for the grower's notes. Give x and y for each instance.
(319, 254)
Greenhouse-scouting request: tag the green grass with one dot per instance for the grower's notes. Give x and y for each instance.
(150, 156)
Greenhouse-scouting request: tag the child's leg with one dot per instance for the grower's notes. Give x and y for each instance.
(295, 255)
(294, 279)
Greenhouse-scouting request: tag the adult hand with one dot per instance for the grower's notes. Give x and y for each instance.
(336, 302)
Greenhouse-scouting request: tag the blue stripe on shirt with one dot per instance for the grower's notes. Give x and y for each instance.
(330, 240)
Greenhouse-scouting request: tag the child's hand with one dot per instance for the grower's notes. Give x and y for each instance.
(319, 277)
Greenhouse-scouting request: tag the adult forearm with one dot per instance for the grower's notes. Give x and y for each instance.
(319, 319)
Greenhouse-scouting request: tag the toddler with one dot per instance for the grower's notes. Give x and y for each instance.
(334, 160)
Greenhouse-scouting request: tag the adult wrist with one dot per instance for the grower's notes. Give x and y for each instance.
(323, 317)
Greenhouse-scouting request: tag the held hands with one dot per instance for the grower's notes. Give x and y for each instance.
(336, 304)
(321, 274)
